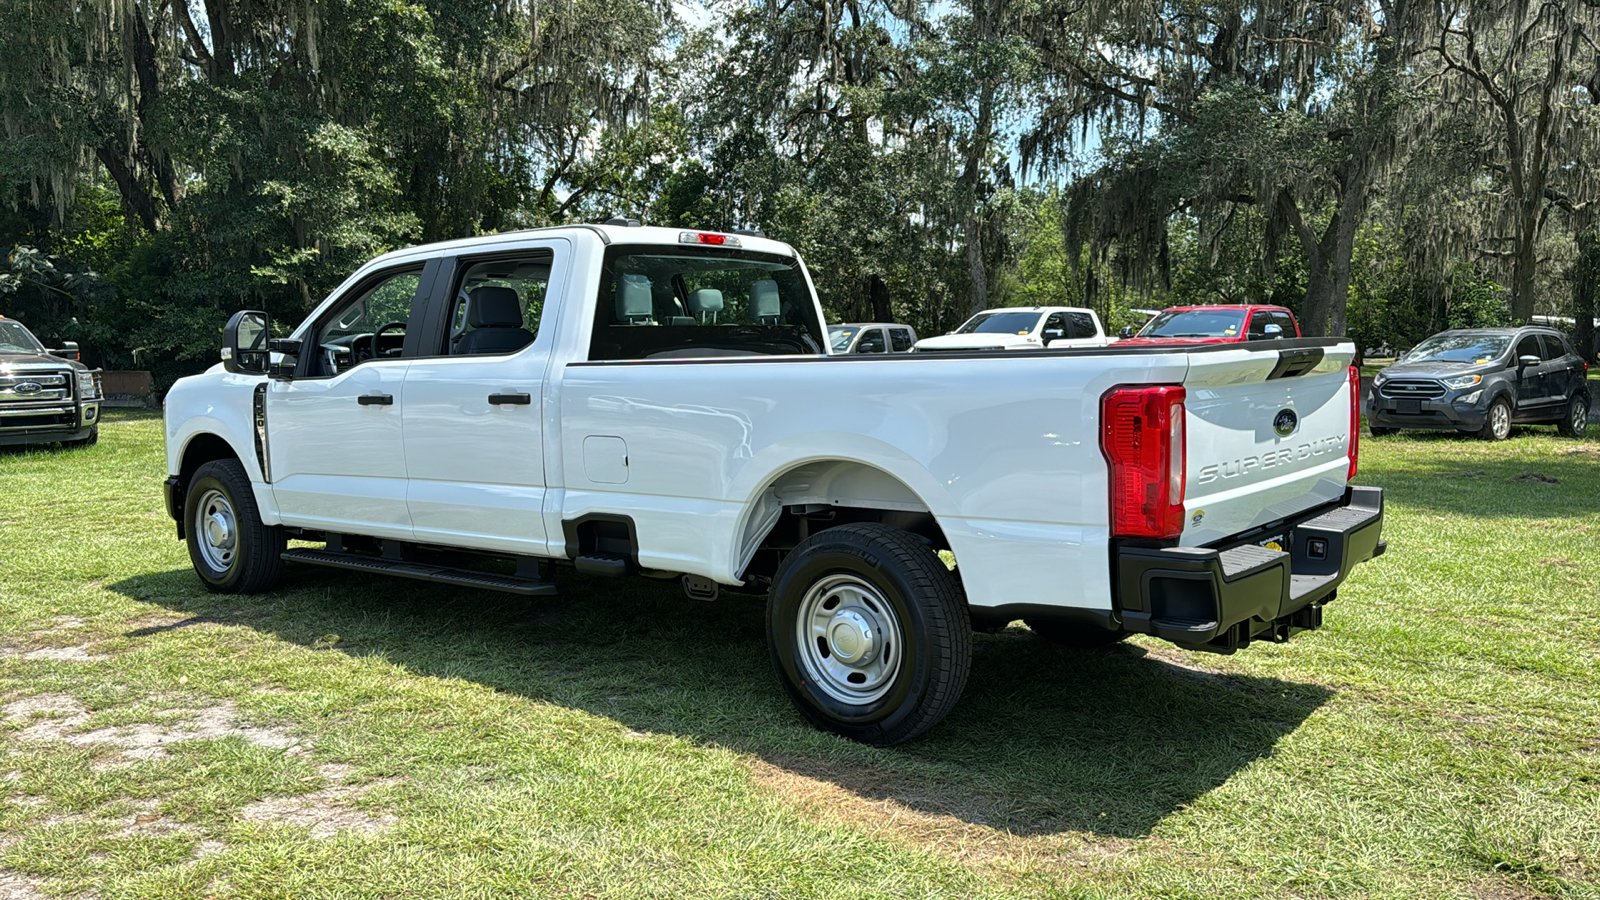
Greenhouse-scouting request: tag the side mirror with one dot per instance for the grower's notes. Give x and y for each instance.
(68, 350)
(288, 360)
(1527, 360)
(1054, 334)
(1273, 331)
(1126, 332)
(244, 343)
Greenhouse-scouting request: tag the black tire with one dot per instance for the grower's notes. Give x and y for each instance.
(1381, 431)
(899, 588)
(253, 560)
(1491, 430)
(1077, 637)
(90, 441)
(1575, 420)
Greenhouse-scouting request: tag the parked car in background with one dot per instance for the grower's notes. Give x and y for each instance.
(870, 337)
(1214, 325)
(46, 396)
(1022, 328)
(1481, 381)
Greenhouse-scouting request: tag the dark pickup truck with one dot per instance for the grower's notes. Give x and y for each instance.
(45, 396)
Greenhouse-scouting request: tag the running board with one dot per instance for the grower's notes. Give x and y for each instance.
(467, 578)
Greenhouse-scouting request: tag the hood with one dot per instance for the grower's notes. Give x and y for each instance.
(1436, 368)
(978, 342)
(36, 361)
(1173, 341)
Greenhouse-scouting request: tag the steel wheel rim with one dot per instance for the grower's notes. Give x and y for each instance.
(849, 639)
(1500, 420)
(216, 530)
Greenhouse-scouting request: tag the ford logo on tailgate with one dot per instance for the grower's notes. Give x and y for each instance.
(1285, 422)
(28, 387)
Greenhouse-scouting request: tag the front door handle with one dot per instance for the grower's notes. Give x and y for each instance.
(376, 399)
(513, 399)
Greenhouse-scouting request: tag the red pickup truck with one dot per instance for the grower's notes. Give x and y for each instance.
(1214, 325)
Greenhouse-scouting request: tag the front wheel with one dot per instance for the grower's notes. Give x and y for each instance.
(232, 550)
(1381, 430)
(90, 441)
(1576, 420)
(869, 633)
(1497, 423)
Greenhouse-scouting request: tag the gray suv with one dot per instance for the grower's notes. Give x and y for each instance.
(1480, 381)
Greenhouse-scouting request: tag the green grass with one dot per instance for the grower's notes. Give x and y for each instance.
(1439, 737)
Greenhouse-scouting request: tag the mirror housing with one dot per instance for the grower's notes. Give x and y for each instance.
(67, 350)
(1054, 334)
(1527, 360)
(244, 343)
(1126, 332)
(288, 360)
(1273, 331)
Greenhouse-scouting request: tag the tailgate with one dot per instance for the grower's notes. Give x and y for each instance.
(1268, 436)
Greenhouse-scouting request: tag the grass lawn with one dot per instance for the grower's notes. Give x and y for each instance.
(351, 736)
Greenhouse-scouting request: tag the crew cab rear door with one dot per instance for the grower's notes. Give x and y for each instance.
(1267, 435)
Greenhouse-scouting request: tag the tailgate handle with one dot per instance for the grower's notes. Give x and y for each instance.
(1295, 361)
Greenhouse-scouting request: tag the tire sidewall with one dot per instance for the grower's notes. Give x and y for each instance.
(845, 555)
(1488, 423)
(1575, 424)
(206, 479)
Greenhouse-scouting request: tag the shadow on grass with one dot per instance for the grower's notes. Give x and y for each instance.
(1044, 740)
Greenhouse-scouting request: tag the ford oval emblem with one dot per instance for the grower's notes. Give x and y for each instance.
(28, 387)
(1285, 422)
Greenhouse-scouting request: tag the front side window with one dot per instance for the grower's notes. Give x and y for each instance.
(872, 342)
(1000, 323)
(372, 324)
(1528, 346)
(1194, 323)
(16, 339)
(664, 302)
(497, 304)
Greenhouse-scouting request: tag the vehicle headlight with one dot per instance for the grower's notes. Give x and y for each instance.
(1379, 378)
(1461, 381)
(1472, 397)
(87, 388)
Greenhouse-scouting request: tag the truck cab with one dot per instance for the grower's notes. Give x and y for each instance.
(1180, 325)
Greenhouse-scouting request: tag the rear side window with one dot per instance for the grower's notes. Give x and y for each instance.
(1082, 325)
(1554, 347)
(901, 339)
(664, 302)
(497, 304)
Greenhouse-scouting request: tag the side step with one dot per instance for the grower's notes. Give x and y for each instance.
(612, 564)
(437, 574)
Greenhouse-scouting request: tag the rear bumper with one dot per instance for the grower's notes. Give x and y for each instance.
(1221, 600)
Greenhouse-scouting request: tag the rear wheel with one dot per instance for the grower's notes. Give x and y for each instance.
(1576, 420)
(1497, 423)
(1078, 637)
(232, 550)
(869, 632)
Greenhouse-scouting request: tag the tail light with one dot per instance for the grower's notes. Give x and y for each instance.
(1141, 435)
(1355, 421)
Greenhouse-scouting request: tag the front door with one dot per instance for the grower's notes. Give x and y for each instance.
(1531, 391)
(333, 430)
(473, 419)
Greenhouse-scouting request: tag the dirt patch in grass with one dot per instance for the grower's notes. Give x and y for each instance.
(1562, 561)
(814, 788)
(328, 811)
(61, 717)
(18, 887)
(1534, 478)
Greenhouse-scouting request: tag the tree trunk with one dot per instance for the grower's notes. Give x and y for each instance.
(878, 293)
(1585, 285)
(980, 280)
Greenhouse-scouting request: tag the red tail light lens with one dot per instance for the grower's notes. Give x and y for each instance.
(1355, 421)
(1141, 435)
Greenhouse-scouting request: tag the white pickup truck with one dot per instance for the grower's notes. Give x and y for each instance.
(1022, 328)
(630, 400)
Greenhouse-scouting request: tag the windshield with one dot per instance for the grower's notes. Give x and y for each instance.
(16, 339)
(839, 338)
(1180, 323)
(1000, 323)
(1461, 348)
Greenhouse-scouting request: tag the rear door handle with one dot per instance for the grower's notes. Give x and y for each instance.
(513, 399)
(376, 399)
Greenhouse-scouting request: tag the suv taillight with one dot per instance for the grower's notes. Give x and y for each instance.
(1141, 435)
(1355, 422)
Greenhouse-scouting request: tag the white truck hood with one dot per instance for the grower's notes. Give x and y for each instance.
(980, 342)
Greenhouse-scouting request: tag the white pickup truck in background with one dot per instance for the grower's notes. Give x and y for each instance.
(1022, 328)
(629, 400)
